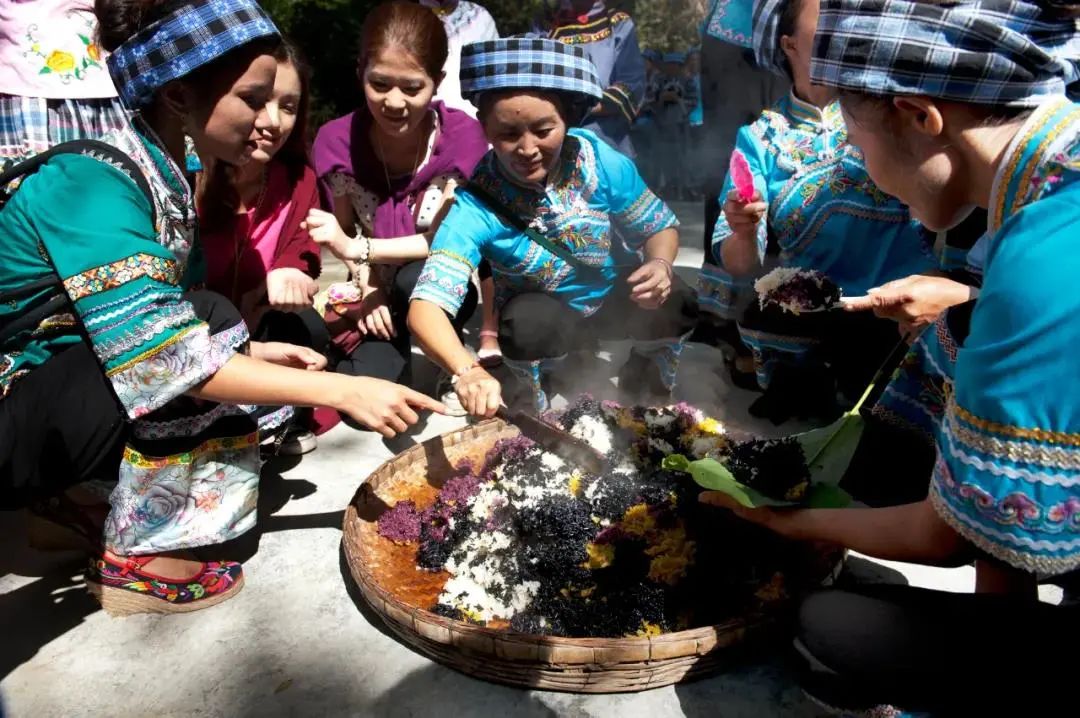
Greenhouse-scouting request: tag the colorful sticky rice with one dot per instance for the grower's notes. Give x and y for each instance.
(537, 545)
(797, 290)
(774, 467)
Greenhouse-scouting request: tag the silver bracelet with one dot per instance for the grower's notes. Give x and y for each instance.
(664, 262)
(365, 249)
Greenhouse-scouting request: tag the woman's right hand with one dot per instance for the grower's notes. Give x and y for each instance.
(914, 302)
(480, 392)
(744, 217)
(383, 406)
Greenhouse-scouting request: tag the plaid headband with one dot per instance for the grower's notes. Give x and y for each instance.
(987, 52)
(519, 63)
(191, 36)
(766, 37)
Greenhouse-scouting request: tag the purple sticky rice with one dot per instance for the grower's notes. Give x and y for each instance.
(437, 518)
(507, 451)
(808, 290)
(458, 490)
(401, 524)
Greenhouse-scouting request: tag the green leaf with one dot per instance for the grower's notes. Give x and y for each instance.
(827, 496)
(45, 71)
(829, 450)
(714, 476)
(676, 462)
(85, 39)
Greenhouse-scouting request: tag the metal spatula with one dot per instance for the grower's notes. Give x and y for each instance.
(568, 447)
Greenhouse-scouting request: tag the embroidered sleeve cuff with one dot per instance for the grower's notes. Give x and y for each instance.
(1010, 491)
(170, 368)
(719, 292)
(444, 281)
(645, 217)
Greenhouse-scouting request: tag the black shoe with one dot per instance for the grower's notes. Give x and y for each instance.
(798, 392)
(640, 383)
(743, 379)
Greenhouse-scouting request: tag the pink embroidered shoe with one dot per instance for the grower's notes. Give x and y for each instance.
(123, 586)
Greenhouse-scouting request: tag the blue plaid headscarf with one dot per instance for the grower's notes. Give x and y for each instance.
(988, 52)
(520, 63)
(191, 36)
(766, 38)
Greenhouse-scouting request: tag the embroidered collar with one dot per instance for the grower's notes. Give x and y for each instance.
(1035, 144)
(805, 116)
(596, 26)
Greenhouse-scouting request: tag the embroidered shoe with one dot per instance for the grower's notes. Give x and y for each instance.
(123, 586)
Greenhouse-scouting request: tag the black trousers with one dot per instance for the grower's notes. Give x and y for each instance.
(390, 360)
(305, 328)
(945, 653)
(539, 326)
(62, 424)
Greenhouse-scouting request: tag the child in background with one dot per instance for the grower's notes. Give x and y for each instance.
(673, 99)
(643, 132)
(695, 159)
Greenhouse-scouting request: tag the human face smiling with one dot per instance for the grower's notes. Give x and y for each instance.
(398, 92)
(527, 131)
(228, 122)
(283, 108)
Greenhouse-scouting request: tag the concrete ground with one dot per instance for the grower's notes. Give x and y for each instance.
(298, 640)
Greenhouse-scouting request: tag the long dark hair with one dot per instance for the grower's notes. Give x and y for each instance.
(295, 153)
(216, 196)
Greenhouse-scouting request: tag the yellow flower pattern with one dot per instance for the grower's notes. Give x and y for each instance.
(60, 61)
(62, 58)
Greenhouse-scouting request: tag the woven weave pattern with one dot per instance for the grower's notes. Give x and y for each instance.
(533, 63)
(181, 42)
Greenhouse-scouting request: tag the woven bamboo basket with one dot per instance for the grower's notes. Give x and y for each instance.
(387, 578)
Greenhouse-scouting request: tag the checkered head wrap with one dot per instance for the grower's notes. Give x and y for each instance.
(988, 52)
(519, 63)
(189, 37)
(766, 38)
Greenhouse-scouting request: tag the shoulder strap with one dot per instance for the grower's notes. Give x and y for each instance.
(498, 207)
(96, 149)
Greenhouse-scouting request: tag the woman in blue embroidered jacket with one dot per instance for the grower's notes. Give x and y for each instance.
(542, 208)
(822, 211)
(110, 366)
(982, 120)
(609, 38)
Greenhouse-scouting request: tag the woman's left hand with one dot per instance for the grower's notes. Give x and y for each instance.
(764, 516)
(290, 355)
(324, 230)
(290, 290)
(651, 284)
